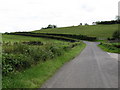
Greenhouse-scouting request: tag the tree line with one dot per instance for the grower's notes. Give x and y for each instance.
(117, 21)
(49, 26)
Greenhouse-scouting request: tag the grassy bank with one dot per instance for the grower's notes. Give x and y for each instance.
(35, 76)
(110, 47)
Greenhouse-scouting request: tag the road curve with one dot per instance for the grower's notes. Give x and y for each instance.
(93, 68)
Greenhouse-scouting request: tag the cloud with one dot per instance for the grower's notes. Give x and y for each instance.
(21, 15)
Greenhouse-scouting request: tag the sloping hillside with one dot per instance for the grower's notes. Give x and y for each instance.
(100, 31)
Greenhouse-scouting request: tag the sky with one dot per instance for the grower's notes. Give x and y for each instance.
(28, 15)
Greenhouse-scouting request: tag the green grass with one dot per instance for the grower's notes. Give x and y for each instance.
(34, 77)
(109, 47)
(18, 38)
(100, 31)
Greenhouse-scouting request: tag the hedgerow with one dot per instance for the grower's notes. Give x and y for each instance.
(111, 47)
(20, 56)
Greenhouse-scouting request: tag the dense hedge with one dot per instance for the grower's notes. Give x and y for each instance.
(109, 22)
(19, 56)
(81, 37)
(44, 36)
(114, 47)
(66, 37)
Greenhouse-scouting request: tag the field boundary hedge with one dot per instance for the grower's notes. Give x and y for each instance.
(66, 37)
(44, 36)
(110, 47)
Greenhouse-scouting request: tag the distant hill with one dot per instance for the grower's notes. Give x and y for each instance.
(99, 31)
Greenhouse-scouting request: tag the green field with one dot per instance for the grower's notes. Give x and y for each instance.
(100, 31)
(18, 38)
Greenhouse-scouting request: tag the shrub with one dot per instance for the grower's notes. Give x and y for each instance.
(66, 47)
(116, 34)
(15, 48)
(56, 50)
(33, 43)
(19, 56)
(112, 47)
(13, 62)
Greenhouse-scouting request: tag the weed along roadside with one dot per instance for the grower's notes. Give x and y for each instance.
(28, 64)
(110, 47)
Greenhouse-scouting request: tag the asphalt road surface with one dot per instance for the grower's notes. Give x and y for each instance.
(93, 68)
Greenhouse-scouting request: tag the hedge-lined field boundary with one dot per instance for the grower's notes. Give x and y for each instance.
(110, 47)
(81, 37)
(65, 37)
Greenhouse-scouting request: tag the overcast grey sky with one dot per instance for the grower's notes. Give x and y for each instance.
(26, 15)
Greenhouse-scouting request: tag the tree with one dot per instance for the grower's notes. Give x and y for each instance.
(86, 24)
(94, 23)
(6, 33)
(117, 18)
(49, 26)
(80, 23)
(52, 26)
(116, 34)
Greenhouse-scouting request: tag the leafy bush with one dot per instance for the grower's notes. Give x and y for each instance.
(116, 34)
(108, 22)
(19, 56)
(15, 48)
(12, 62)
(112, 47)
(33, 43)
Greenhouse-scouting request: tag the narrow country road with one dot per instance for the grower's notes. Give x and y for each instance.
(93, 68)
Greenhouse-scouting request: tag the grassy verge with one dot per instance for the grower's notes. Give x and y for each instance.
(35, 76)
(110, 47)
